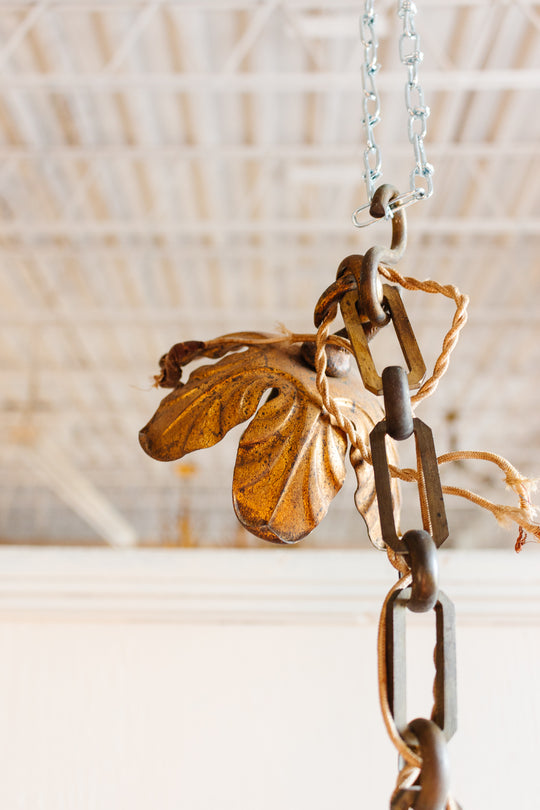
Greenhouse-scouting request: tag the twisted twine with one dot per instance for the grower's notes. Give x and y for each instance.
(452, 336)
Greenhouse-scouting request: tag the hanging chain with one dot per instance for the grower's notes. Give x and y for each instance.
(411, 56)
(366, 306)
(424, 779)
(371, 107)
(420, 178)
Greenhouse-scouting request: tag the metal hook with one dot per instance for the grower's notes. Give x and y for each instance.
(366, 273)
(398, 203)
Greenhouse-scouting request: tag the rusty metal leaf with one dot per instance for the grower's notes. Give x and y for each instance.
(290, 465)
(215, 399)
(290, 461)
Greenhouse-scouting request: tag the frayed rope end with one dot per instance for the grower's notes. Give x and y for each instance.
(521, 539)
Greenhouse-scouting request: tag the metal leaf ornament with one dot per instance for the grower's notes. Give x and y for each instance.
(291, 458)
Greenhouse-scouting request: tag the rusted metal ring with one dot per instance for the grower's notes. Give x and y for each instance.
(435, 774)
(444, 712)
(371, 288)
(426, 450)
(422, 554)
(332, 296)
(368, 282)
(397, 403)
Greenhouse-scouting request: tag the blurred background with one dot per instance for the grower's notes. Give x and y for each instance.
(178, 170)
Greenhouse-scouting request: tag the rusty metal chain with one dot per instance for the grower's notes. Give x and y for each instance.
(423, 596)
(422, 742)
(421, 176)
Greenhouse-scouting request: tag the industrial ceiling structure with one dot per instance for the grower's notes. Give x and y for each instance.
(179, 170)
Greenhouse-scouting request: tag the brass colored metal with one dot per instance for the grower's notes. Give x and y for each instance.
(369, 286)
(430, 470)
(444, 712)
(333, 295)
(397, 403)
(431, 792)
(361, 273)
(291, 458)
(366, 272)
(359, 341)
(404, 333)
(422, 558)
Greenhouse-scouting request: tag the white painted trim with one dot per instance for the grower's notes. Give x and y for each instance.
(250, 586)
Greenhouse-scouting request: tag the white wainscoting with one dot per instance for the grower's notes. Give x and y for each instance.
(246, 680)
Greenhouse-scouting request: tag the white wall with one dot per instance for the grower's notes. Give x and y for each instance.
(235, 680)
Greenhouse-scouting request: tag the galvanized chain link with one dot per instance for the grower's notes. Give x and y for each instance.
(421, 182)
(421, 176)
(370, 102)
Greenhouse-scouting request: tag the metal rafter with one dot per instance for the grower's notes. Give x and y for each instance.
(285, 82)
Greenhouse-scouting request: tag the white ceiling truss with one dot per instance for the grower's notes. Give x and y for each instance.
(177, 170)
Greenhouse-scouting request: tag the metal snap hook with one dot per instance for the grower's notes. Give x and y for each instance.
(396, 204)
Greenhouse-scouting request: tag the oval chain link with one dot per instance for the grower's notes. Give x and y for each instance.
(421, 177)
(371, 106)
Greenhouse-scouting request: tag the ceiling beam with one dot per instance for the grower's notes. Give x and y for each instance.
(449, 80)
(146, 228)
(75, 489)
(248, 5)
(285, 152)
(20, 32)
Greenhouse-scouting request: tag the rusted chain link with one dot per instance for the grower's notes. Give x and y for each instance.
(412, 758)
(367, 305)
(524, 515)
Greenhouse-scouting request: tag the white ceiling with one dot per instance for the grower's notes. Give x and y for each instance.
(178, 170)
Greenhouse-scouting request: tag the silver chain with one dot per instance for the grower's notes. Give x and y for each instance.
(420, 178)
(371, 106)
(411, 56)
